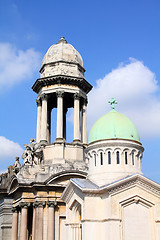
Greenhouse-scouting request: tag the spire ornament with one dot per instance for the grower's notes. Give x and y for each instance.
(113, 102)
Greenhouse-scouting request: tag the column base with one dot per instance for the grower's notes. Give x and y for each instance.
(77, 142)
(60, 140)
(43, 142)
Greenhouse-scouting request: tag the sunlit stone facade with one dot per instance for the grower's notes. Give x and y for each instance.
(77, 190)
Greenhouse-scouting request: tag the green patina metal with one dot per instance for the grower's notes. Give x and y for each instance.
(113, 125)
(112, 102)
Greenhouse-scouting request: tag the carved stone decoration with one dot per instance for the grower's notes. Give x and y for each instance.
(39, 204)
(43, 97)
(24, 204)
(39, 103)
(77, 96)
(14, 209)
(33, 153)
(60, 94)
(16, 165)
(52, 203)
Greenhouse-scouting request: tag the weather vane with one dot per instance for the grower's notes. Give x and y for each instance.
(113, 102)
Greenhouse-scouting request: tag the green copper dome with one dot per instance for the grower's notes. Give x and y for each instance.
(113, 125)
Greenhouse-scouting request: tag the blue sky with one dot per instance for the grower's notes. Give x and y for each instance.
(120, 45)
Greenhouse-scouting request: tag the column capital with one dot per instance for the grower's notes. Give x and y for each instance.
(14, 209)
(43, 96)
(39, 103)
(85, 101)
(52, 203)
(76, 96)
(60, 94)
(39, 204)
(24, 204)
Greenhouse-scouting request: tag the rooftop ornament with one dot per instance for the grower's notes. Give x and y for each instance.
(113, 102)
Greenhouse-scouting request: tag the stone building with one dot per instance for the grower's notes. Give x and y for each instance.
(77, 190)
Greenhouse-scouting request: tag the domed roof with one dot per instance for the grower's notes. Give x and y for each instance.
(62, 51)
(113, 125)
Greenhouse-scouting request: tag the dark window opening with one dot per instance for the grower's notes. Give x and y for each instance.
(101, 157)
(132, 158)
(95, 159)
(118, 160)
(126, 160)
(109, 157)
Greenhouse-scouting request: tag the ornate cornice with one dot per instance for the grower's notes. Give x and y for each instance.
(60, 79)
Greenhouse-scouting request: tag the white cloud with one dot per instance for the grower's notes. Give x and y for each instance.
(9, 150)
(16, 65)
(136, 89)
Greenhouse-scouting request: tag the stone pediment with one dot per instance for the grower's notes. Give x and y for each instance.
(88, 187)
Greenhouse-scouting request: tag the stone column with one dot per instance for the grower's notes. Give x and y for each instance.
(15, 224)
(60, 114)
(33, 223)
(84, 122)
(51, 220)
(38, 233)
(24, 216)
(44, 119)
(76, 117)
(64, 123)
(49, 126)
(39, 112)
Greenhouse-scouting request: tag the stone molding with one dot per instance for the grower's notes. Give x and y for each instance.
(73, 81)
(39, 204)
(52, 203)
(24, 204)
(60, 94)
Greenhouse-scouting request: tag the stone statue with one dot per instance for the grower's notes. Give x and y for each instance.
(33, 153)
(16, 165)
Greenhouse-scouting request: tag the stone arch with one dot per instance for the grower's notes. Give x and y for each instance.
(13, 184)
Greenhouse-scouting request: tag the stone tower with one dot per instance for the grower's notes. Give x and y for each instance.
(35, 188)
